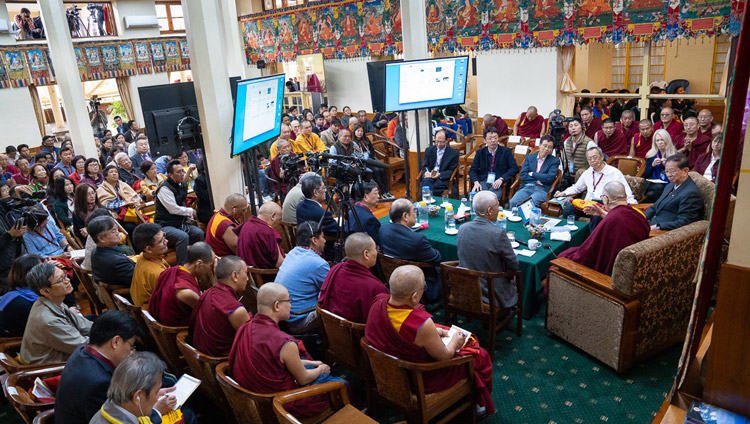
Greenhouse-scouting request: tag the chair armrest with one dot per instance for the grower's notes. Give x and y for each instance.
(49, 370)
(655, 233)
(309, 391)
(431, 366)
(586, 275)
(642, 206)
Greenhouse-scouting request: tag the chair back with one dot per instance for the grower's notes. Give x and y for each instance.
(166, 340)
(343, 340)
(462, 288)
(520, 153)
(248, 407)
(106, 291)
(84, 276)
(123, 304)
(8, 353)
(203, 366)
(389, 263)
(257, 277)
(391, 380)
(288, 235)
(629, 165)
(17, 392)
(707, 189)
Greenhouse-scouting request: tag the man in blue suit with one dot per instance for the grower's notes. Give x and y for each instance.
(681, 202)
(439, 163)
(493, 166)
(538, 172)
(366, 200)
(398, 240)
(311, 209)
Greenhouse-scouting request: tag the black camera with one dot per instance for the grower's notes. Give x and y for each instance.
(292, 165)
(73, 11)
(35, 195)
(349, 170)
(557, 126)
(316, 161)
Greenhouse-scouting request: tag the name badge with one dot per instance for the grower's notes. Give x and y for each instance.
(571, 165)
(490, 178)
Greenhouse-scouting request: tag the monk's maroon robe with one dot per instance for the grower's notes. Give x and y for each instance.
(616, 145)
(348, 291)
(530, 129)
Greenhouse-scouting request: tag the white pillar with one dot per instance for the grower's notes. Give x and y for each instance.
(414, 26)
(233, 50)
(215, 106)
(68, 79)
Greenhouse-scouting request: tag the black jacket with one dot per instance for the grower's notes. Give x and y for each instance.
(111, 266)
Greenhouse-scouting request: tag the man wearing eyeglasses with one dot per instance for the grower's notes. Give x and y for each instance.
(681, 202)
(108, 263)
(151, 241)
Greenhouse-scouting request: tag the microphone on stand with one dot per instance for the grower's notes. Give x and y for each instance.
(547, 246)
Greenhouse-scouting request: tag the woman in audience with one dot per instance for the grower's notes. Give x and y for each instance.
(205, 212)
(117, 148)
(308, 116)
(656, 159)
(707, 163)
(120, 139)
(85, 202)
(39, 177)
(152, 179)
(114, 195)
(62, 204)
(363, 149)
(92, 176)
(79, 164)
(55, 173)
(43, 238)
(23, 177)
(105, 148)
(4, 190)
(190, 169)
(347, 115)
(16, 304)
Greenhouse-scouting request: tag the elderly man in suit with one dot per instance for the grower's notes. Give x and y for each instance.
(141, 152)
(398, 240)
(439, 163)
(681, 203)
(494, 166)
(538, 172)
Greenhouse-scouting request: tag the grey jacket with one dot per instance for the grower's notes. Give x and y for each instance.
(52, 333)
(115, 412)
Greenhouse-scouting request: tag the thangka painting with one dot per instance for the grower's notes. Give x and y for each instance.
(350, 27)
(373, 12)
(94, 65)
(325, 30)
(4, 81)
(158, 58)
(252, 40)
(303, 31)
(142, 57)
(111, 61)
(173, 56)
(127, 58)
(184, 55)
(80, 62)
(394, 31)
(286, 33)
(16, 68)
(38, 68)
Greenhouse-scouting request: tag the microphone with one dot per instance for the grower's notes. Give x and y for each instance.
(547, 246)
(370, 162)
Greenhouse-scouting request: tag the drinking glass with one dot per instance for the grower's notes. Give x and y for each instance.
(511, 236)
(451, 221)
(571, 220)
(514, 211)
(424, 214)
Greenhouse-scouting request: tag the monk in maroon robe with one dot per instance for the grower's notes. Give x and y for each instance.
(610, 141)
(673, 126)
(398, 325)
(265, 359)
(641, 142)
(626, 126)
(529, 124)
(706, 122)
(622, 226)
(692, 143)
(497, 122)
(178, 288)
(591, 123)
(258, 243)
(350, 287)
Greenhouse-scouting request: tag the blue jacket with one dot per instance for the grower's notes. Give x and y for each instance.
(505, 165)
(370, 224)
(310, 210)
(401, 242)
(111, 266)
(546, 177)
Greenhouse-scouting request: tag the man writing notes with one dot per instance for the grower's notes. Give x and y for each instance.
(529, 124)
(440, 161)
(538, 172)
(493, 165)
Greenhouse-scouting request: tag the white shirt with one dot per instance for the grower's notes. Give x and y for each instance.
(166, 197)
(709, 172)
(440, 153)
(589, 179)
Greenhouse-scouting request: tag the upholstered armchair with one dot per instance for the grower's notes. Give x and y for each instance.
(640, 310)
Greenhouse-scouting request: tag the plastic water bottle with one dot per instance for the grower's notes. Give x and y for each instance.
(471, 202)
(423, 213)
(426, 194)
(536, 215)
(501, 222)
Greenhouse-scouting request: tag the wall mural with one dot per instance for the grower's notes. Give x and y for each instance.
(340, 29)
(21, 65)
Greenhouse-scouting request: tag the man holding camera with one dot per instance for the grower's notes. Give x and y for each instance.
(275, 170)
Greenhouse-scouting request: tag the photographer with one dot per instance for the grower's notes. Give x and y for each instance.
(26, 27)
(12, 230)
(275, 170)
(98, 117)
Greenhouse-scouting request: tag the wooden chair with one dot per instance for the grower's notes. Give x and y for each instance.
(203, 367)
(16, 391)
(452, 189)
(345, 412)
(105, 292)
(166, 340)
(46, 417)
(66, 232)
(342, 337)
(124, 304)
(385, 150)
(462, 294)
(629, 165)
(288, 235)
(517, 185)
(401, 384)
(256, 275)
(466, 161)
(388, 264)
(84, 276)
(8, 353)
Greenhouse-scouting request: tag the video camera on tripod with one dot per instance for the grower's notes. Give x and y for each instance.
(557, 126)
(346, 169)
(292, 165)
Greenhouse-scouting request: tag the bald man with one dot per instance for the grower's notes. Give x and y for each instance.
(705, 122)
(349, 288)
(286, 135)
(692, 143)
(529, 124)
(258, 242)
(669, 123)
(495, 121)
(621, 226)
(626, 126)
(398, 325)
(640, 144)
(274, 170)
(219, 231)
(265, 359)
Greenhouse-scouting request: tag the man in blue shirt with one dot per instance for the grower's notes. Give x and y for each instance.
(66, 157)
(538, 173)
(43, 238)
(302, 273)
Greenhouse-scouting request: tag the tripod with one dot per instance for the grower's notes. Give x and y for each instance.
(346, 205)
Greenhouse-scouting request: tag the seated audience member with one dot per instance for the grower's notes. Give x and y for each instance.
(352, 122)
(398, 240)
(312, 208)
(593, 180)
(538, 172)
(66, 159)
(346, 115)
(79, 169)
(692, 143)
(12, 154)
(152, 179)
(350, 287)
(92, 176)
(483, 246)
(705, 122)
(626, 126)
(43, 238)
(656, 158)
(23, 177)
(265, 359)
(161, 163)
(440, 160)
(127, 172)
(191, 169)
(176, 219)
(39, 177)
(141, 152)
(681, 202)
(440, 121)
(641, 142)
(366, 200)
(202, 194)
(493, 166)
(459, 115)
(274, 170)
(90, 243)
(294, 130)
(302, 273)
(87, 374)
(319, 124)
(610, 141)
(258, 242)
(292, 199)
(398, 325)
(307, 140)
(364, 149)
(575, 146)
(178, 288)
(108, 263)
(220, 229)
(24, 152)
(529, 124)
(219, 314)
(53, 330)
(84, 203)
(494, 121)
(621, 226)
(365, 123)
(114, 195)
(16, 304)
(591, 124)
(669, 123)
(48, 146)
(63, 201)
(151, 241)
(708, 163)
(135, 387)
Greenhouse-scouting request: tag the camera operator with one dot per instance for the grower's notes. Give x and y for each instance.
(363, 149)
(12, 229)
(98, 117)
(26, 25)
(275, 171)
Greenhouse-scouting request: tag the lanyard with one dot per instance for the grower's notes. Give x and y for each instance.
(596, 183)
(539, 164)
(492, 165)
(52, 242)
(309, 143)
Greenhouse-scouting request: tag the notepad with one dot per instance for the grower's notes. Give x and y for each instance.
(80, 253)
(184, 387)
(455, 329)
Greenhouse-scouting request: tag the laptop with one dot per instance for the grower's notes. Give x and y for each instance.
(525, 207)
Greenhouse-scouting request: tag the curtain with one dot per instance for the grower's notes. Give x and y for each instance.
(127, 103)
(567, 86)
(38, 111)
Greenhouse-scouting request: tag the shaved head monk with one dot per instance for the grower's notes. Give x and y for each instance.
(398, 325)
(265, 359)
(529, 124)
(219, 234)
(669, 123)
(626, 126)
(591, 124)
(495, 121)
(692, 143)
(641, 142)
(610, 141)
(258, 242)
(349, 288)
(705, 122)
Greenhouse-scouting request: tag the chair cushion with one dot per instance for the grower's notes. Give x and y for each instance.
(349, 414)
(707, 189)
(637, 186)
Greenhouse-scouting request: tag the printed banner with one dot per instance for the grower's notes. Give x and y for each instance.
(4, 81)
(173, 56)
(111, 61)
(184, 56)
(142, 58)
(38, 68)
(127, 58)
(16, 67)
(158, 59)
(81, 62)
(94, 65)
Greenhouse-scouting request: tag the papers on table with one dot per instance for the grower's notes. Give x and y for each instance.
(524, 252)
(560, 236)
(184, 387)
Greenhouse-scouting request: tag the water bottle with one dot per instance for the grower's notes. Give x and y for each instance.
(426, 194)
(450, 220)
(536, 216)
(423, 213)
(501, 222)
(471, 202)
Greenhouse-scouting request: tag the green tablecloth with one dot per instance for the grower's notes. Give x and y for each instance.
(533, 268)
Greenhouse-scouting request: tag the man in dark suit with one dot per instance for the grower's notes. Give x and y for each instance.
(311, 209)
(132, 133)
(110, 265)
(367, 200)
(681, 203)
(398, 240)
(439, 163)
(494, 166)
(141, 152)
(538, 172)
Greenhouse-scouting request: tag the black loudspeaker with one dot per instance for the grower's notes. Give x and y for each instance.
(474, 66)
(261, 64)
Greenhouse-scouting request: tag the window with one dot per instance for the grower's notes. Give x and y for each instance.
(722, 45)
(85, 20)
(627, 64)
(280, 4)
(170, 17)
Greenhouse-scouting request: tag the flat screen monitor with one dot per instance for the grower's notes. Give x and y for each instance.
(421, 84)
(257, 112)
